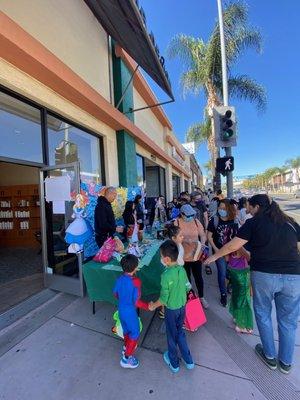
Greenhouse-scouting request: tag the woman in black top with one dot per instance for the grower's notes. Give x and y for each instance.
(273, 239)
(129, 218)
(221, 229)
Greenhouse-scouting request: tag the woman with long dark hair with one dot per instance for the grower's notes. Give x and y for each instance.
(272, 237)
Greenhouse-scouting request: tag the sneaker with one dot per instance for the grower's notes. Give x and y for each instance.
(284, 368)
(189, 365)
(204, 302)
(130, 362)
(223, 300)
(270, 362)
(168, 362)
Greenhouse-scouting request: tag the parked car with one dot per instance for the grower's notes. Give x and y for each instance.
(297, 194)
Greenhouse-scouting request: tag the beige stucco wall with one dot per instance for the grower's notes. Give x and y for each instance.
(147, 121)
(69, 30)
(145, 153)
(25, 85)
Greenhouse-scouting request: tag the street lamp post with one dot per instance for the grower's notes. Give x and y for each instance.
(228, 151)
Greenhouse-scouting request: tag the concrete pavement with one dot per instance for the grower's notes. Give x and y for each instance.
(62, 351)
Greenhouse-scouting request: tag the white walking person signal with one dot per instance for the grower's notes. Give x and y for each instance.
(228, 165)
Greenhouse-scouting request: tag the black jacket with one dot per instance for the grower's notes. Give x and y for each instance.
(105, 222)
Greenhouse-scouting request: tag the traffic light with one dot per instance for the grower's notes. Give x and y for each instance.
(225, 126)
(224, 165)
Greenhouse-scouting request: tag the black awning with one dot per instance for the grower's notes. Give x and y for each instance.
(124, 22)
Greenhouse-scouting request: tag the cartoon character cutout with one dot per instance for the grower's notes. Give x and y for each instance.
(79, 231)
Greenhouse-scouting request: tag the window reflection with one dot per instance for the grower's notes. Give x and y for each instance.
(20, 127)
(140, 170)
(69, 144)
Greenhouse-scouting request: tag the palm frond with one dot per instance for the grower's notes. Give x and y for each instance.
(244, 88)
(190, 82)
(188, 49)
(243, 39)
(199, 132)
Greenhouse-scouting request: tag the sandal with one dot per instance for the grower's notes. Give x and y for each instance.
(243, 330)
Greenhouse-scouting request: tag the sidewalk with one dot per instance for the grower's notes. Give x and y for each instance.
(62, 351)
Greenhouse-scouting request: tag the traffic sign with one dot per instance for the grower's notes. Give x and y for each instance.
(225, 164)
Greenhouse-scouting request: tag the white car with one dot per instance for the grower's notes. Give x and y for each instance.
(297, 194)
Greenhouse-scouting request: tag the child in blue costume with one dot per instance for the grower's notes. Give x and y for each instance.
(128, 291)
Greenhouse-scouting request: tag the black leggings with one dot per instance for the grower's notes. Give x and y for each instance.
(196, 268)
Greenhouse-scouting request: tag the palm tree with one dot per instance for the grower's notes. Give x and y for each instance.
(202, 62)
(269, 174)
(209, 167)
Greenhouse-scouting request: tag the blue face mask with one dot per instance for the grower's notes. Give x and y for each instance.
(188, 219)
(222, 213)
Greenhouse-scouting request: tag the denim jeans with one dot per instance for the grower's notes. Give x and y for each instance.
(174, 320)
(285, 291)
(222, 271)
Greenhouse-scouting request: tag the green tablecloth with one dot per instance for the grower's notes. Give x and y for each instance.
(100, 278)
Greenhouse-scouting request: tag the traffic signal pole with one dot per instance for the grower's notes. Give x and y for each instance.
(228, 151)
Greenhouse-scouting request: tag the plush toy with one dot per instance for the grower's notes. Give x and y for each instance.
(79, 231)
(117, 328)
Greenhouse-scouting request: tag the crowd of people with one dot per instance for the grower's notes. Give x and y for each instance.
(254, 246)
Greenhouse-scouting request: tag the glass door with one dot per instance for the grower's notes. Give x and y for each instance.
(62, 270)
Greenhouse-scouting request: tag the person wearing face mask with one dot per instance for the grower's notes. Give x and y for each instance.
(194, 239)
(200, 208)
(273, 238)
(221, 229)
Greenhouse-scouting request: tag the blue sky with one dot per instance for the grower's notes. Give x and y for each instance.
(264, 140)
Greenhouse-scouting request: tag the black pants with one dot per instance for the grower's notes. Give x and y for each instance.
(196, 268)
(100, 239)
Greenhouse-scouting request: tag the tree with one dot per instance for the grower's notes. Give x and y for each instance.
(202, 62)
(209, 168)
(281, 171)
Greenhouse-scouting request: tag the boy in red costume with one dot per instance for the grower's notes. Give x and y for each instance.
(128, 291)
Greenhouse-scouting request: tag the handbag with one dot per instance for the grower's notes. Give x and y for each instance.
(106, 251)
(194, 314)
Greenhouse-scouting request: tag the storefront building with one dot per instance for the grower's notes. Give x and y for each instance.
(68, 95)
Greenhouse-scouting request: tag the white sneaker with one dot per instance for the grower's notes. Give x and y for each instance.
(204, 302)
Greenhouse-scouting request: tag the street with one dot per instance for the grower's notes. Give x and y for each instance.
(290, 205)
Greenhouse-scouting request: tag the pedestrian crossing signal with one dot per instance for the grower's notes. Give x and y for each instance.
(224, 165)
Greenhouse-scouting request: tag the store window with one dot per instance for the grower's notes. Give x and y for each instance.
(21, 134)
(68, 144)
(176, 185)
(140, 170)
(186, 185)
